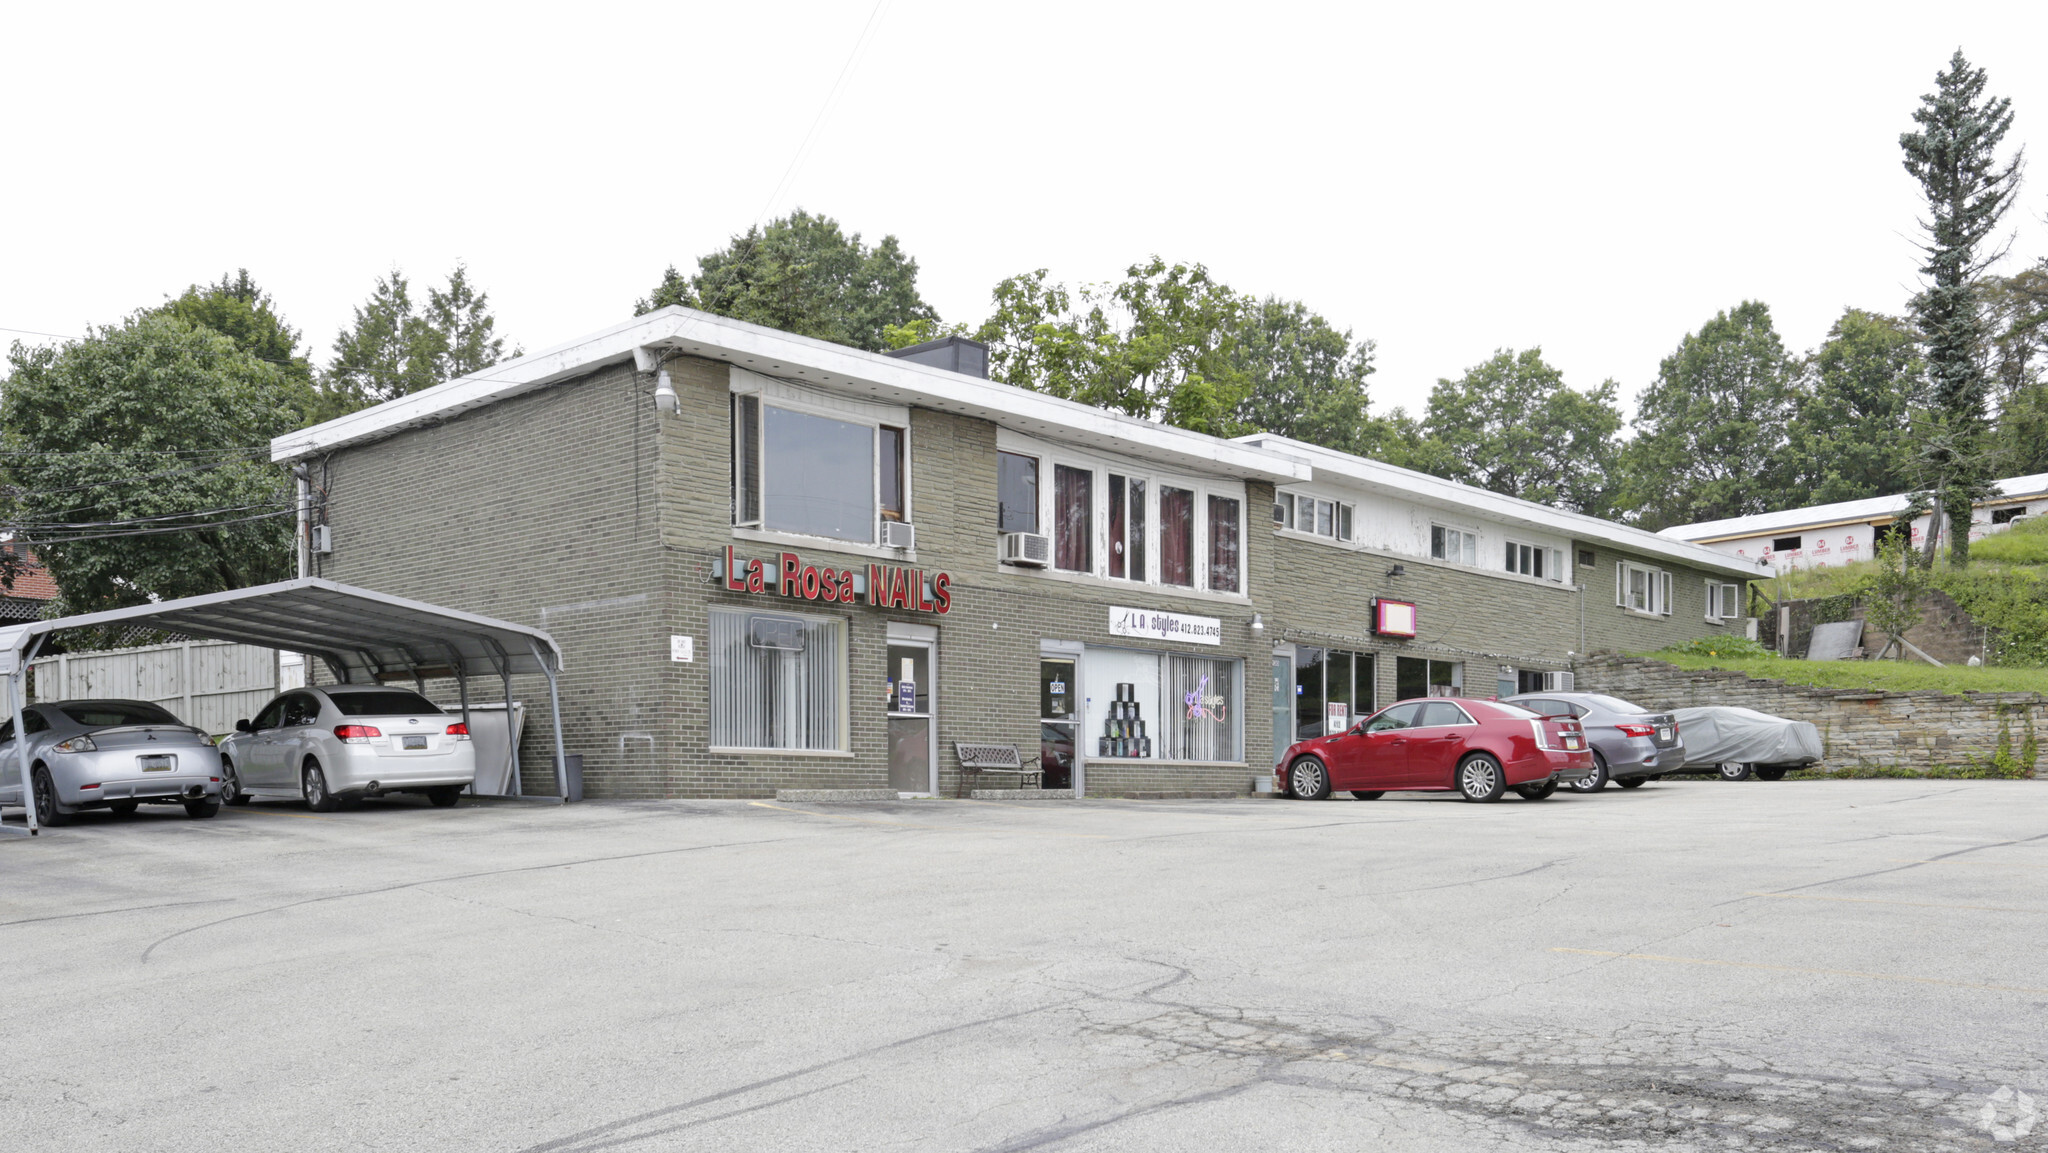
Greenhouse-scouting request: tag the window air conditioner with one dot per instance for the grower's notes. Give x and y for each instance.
(1557, 682)
(897, 534)
(1027, 548)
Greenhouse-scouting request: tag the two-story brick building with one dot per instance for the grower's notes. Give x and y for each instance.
(774, 562)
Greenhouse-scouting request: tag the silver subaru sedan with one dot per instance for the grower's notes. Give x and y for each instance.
(333, 745)
(109, 755)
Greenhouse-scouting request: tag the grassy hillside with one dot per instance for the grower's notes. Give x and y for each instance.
(2005, 587)
(1874, 675)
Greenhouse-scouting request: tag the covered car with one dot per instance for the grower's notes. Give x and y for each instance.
(1738, 743)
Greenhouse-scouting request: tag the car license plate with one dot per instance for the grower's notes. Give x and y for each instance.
(1663, 734)
(412, 742)
(157, 763)
(1571, 742)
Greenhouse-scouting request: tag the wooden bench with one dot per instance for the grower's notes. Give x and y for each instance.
(978, 758)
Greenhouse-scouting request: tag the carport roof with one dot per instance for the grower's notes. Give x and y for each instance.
(361, 634)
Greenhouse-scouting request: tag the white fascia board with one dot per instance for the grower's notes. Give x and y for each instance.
(816, 362)
(1422, 488)
(1841, 512)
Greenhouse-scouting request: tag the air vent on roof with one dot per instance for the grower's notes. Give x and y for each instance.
(952, 353)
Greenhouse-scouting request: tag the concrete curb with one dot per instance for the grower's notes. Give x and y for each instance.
(835, 796)
(1021, 795)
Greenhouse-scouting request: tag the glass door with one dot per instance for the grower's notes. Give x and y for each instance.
(912, 707)
(1283, 704)
(1059, 717)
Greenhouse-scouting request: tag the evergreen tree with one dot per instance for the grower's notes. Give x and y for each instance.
(1710, 431)
(1853, 434)
(801, 274)
(395, 349)
(1968, 189)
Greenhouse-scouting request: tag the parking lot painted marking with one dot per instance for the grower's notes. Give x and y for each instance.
(1798, 969)
(1884, 901)
(940, 828)
(1981, 864)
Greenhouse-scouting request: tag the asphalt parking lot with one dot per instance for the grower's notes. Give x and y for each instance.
(1694, 965)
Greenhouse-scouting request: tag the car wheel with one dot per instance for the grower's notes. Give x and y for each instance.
(1480, 778)
(1770, 774)
(231, 784)
(1307, 780)
(1597, 781)
(200, 810)
(123, 807)
(1536, 792)
(1633, 782)
(1736, 771)
(313, 784)
(445, 796)
(48, 811)
(1367, 794)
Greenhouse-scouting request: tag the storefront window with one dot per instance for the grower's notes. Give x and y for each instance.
(1223, 545)
(1333, 688)
(1176, 536)
(1162, 706)
(1073, 516)
(1418, 677)
(1017, 492)
(1204, 702)
(778, 681)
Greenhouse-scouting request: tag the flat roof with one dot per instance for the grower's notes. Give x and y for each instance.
(1840, 512)
(834, 367)
(1378, 476)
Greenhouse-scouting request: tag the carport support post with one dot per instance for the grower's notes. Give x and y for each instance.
(17, 684)
(555, 705)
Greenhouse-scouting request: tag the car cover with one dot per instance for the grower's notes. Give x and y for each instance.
(1717, 734)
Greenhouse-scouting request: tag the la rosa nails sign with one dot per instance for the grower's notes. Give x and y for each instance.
(881, 586)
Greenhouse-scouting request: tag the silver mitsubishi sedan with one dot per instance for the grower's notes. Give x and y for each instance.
(339, 743)
(109, 755)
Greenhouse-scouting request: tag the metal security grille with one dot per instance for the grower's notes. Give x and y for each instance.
(788, 697)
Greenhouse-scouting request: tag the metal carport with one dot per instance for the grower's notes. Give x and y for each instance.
(363, 637)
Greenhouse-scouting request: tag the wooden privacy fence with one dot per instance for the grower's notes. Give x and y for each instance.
(208, 684)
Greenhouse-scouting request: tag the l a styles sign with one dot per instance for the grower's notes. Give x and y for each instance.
(881, 586)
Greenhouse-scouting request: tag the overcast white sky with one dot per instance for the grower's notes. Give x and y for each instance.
(1445, 179)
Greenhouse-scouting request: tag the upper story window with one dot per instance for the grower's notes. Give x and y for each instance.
(1787, 543)
(1314, 515)
(816, 469)
(1642, 589)
(1016, 492)
(1536, 561)
(1110, 520)
(1454, 545)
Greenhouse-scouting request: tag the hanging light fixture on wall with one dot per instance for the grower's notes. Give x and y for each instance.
(665, 398)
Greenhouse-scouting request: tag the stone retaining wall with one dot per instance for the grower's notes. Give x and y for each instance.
(1907, 730)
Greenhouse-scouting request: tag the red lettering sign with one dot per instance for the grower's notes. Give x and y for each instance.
(889, 586)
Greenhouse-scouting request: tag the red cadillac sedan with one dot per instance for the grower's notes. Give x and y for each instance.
(1480, 748)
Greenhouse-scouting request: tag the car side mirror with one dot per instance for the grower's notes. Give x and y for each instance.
(243, 726)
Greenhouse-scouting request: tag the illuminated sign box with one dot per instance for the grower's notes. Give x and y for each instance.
(1393, 618)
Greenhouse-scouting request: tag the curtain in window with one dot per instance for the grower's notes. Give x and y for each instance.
(1223, 544)
(1073, 515)
(778, 681)
(1203, 725)
(1117, 548)
(1176, 536)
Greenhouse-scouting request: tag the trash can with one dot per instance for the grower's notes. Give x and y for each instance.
(573, 763)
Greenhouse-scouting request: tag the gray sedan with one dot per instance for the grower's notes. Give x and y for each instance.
(1630, 743)
(109, 755)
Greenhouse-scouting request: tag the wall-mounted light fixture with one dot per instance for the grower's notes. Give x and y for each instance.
(1258, 623)
(665, 398)
(1398, 570)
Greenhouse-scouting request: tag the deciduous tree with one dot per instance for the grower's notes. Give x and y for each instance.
(1711, 430)
(1512, 426)
(1853, 434)
(802, 274)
